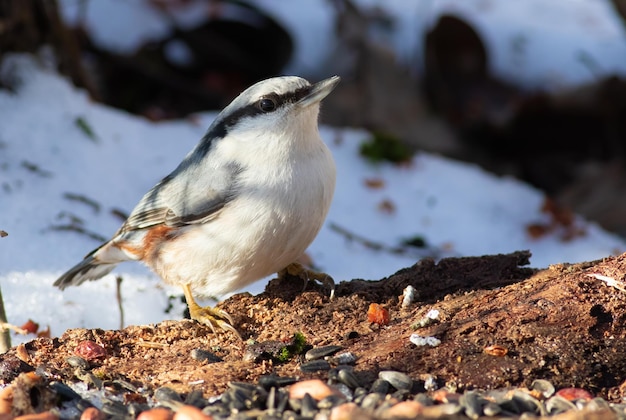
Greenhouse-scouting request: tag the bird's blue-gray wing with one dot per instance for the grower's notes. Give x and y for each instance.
(183, 198)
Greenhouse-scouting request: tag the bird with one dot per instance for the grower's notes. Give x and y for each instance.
(244, 203)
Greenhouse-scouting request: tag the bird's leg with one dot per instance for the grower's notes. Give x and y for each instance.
(298, 270)
(216, 319)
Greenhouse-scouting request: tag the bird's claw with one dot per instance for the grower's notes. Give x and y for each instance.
(216, 319)
(307, 275)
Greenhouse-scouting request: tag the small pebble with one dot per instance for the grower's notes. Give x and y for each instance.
(430, 382)
(189, 412)
(314, 387)
(22, 353)
(377, 314)
(92, 413)
(6, 400)
(159, 413)
(348, 411)
(321, 352)
(572, 394)
(408, 296)
(558, 404)
(420, 341)
(404, 410)
(545, 388)
(444, 395)
(202, 355)
(441, 410)
(398, 380)
(77, 362)
(90, 350)
(40, 416)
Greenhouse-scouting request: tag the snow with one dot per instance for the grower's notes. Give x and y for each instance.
(55, 174)
(456, 207)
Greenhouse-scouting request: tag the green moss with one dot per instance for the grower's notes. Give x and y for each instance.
(284, 354)
(385, 147)
(297, 345)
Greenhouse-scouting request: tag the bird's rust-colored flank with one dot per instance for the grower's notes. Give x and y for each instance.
(154, 238)
(150, 243)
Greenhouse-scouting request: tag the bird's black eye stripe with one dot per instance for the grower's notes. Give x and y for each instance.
(273, 101)
(220, 128)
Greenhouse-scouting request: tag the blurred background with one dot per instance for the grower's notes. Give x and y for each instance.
(532, 89)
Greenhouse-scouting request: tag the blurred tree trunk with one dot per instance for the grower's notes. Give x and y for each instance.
(620, 6)
(28, 25)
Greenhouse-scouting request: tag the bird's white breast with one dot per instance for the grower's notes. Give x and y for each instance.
(277, 212)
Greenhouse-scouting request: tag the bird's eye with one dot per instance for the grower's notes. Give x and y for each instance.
(267, 105)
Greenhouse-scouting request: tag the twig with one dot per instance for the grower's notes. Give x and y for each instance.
(5, 337)
(377, 246)
(79, 229)
(118, 296)
(83, 199)
(5, 326)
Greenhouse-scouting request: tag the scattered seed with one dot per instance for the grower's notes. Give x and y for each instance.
(345, 358)
(269, 381)
(315, 366)
(371, 401)
(496, 350)
(380, 386)
(321, 352)
(396, 379)
(347, 377)
(168, 397)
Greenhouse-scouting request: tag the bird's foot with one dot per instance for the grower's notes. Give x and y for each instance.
(216, 319)
(298, 270)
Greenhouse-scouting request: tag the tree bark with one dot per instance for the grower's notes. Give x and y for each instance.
(28, 25)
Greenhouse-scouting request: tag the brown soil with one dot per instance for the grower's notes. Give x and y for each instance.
(558, 324)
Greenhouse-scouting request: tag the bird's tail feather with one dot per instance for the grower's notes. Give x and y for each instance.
(88, 269)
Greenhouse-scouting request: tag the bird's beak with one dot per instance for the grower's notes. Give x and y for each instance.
(319, 91)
